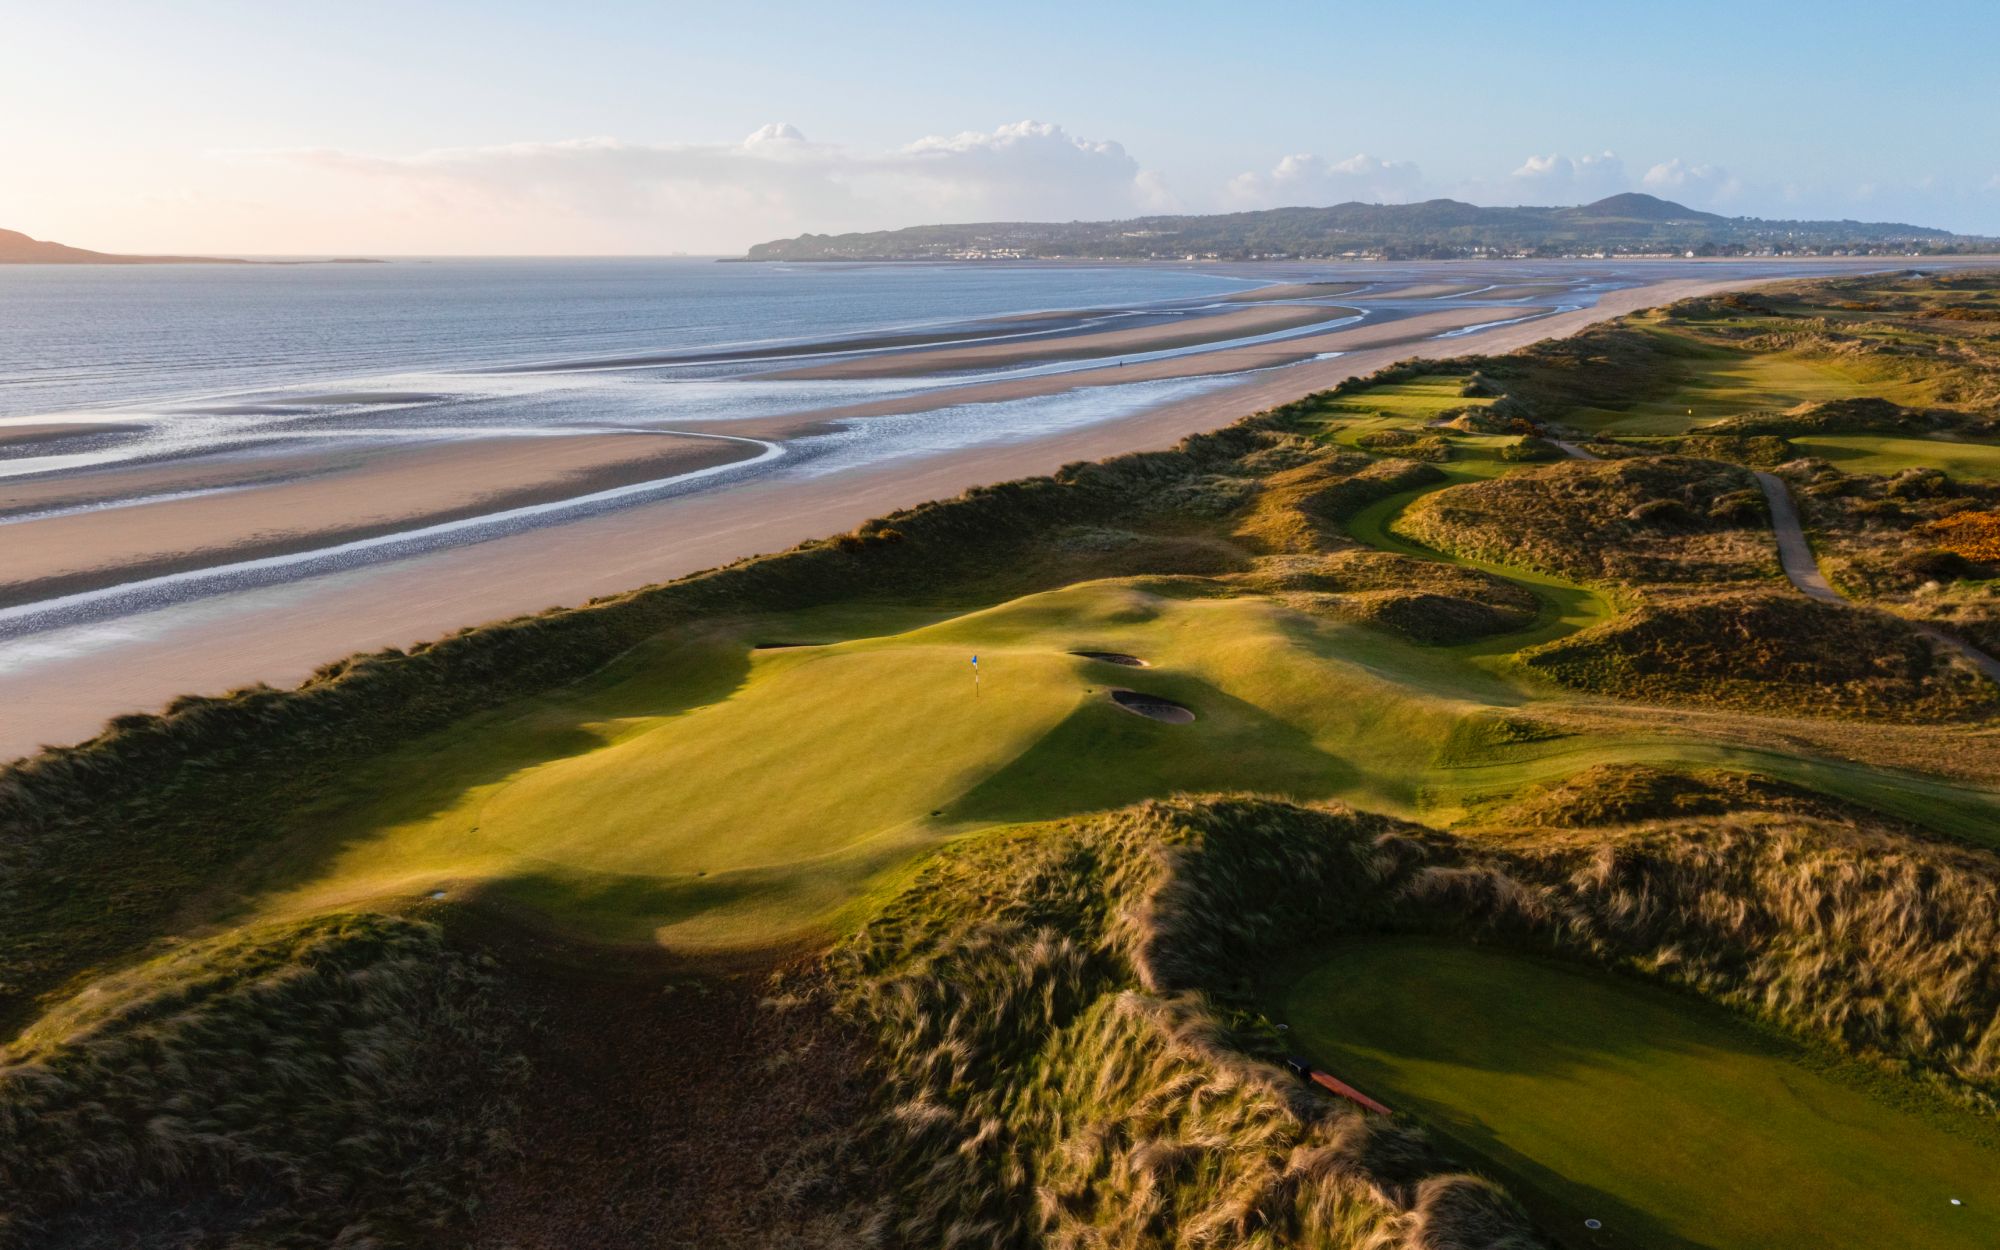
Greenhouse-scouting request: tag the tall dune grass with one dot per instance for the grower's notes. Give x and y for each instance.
(339, 1082)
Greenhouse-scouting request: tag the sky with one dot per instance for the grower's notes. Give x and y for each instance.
(612, 128)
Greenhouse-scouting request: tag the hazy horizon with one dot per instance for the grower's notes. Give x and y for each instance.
(483, 130)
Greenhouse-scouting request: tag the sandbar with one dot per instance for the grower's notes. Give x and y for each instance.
(1295, 290)
(1191, 331)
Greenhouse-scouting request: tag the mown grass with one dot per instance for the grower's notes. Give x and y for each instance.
(1551, 1076)
(1885, 455)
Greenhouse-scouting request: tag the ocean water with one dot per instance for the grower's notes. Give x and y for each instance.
(101, 339)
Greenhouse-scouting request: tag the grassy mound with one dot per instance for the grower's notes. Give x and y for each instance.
(1426, 601)
(1070, 1050)
(1863, 414)
(1627, 794)
(343, 1081)
(1054, 1075)
(1644, 520)
(1769, 651)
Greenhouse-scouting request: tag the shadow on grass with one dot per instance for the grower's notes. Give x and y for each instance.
(1101, 756)
(1630, 1085)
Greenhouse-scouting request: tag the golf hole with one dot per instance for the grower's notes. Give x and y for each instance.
(1153, 707)
(1113, 657)
(1593, 1225)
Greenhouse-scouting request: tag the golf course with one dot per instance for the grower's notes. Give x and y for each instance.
(957, 858)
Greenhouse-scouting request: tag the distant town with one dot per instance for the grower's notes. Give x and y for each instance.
(1631, 226)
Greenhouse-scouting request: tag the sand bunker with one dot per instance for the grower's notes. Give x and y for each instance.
(1153, 707)
(1113, 657)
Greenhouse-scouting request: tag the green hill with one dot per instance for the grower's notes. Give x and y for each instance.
(1628, 223)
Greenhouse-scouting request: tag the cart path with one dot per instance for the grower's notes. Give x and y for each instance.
(1795, 555)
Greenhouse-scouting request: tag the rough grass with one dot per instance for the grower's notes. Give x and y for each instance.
(1426, 601)
(1648, 520)
(1070, 1053)
(1053, 1074)
(1770, 651)
(1625, 794)
(344, 1081)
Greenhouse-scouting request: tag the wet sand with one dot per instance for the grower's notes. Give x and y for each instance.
(336, 497)
(1367, 336)
(61, 686)
(1296, 290)
(57, 432)
(1426, 290)
(1552, 292)
(1189, 331)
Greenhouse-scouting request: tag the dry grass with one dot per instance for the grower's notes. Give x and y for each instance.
(1606, 795)
(344, 1081)
(1769, 651)
(1426, 601)
(1647, 520)
(1055, 1075)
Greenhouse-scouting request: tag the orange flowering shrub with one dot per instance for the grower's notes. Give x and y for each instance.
(1974, 535)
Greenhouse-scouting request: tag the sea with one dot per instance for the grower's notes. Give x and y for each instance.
(92, 338)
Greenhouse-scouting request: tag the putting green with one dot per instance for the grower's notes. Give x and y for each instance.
(710, 793)
(1662, 1117)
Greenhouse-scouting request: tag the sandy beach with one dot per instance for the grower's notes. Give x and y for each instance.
(60, 686)
(322, 499)
(1186, 332)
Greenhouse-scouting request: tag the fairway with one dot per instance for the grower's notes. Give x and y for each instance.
(1886, 454)
(1664, 1118)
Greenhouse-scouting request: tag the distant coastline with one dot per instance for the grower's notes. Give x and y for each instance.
(20, 249)
(1631, 226)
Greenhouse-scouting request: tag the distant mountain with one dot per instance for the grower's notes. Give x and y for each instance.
(18, 249)
(1629, 224)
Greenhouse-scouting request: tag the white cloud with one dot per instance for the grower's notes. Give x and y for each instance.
(1306, 179)
(609, 195)
(1702, 183)
(1028, 169)
(1559, 179)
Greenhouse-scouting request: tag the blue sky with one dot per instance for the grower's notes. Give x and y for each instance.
(623, 127)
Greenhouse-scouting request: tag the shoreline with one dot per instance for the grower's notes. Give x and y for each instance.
(65, 683)
(405, 487)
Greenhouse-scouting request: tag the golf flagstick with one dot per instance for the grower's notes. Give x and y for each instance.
(975, 676)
